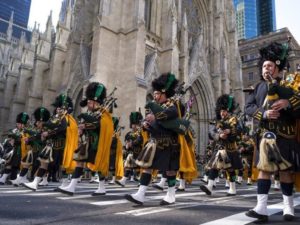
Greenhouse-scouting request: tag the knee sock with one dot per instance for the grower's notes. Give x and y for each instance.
(263, 186)
(145, 179)
(171, 181)
(231, 176)
(23, 172)
(78, 172)
(127, 173)
(287, 188)
(41, 172)
(7, 171)
(13, 173)
(212, 174)
(240, 173)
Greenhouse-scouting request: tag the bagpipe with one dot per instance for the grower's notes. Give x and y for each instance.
(178, 125)
(6, 153)
(108, 104)
(285, 88)
(118, 130)
(278, 90)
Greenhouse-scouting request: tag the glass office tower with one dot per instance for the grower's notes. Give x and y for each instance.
(21, 9)
(266, 16)
(254, 17)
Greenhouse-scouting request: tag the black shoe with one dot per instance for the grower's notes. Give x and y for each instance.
(24, 185)
(163, 202)
(229, 194)
(131, 199)
(204, 181)
(239, 183)
(98, 194)
(65, 192)
(205, 189)
(180, 190)
(56, 189)
(118, 182)
(288, 217)
(259, 217)
(157, 187)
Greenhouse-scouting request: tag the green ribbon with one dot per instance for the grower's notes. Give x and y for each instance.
(24, 117)
(170, 81)
(99, 91)
(63, 99)
(285, 48)
(42, 113)
(230, 100)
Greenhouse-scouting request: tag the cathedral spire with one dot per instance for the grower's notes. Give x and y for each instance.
(68, 17)
(49, 27)
(10, 27)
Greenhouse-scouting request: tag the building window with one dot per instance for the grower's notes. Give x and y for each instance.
(250, 76)
(147, 14)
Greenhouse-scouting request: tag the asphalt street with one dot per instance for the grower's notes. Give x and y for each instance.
(20, 206)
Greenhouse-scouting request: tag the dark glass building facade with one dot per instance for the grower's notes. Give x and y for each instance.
(21, 9)
(266, 16)
(254, 17)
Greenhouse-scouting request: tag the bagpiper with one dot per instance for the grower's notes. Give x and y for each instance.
(16, 148)
(34, 145)
(133, 146)
(162, 151)
(276, 108)
(226, 156)
(92, 152)
(55, 134)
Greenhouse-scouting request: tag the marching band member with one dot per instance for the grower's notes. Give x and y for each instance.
(89, 129)
(225, 133)
(19, 150)
(246, 148)
(133, 146)
(274, 107)
(54, 134)
(164, 140)
(35, 145)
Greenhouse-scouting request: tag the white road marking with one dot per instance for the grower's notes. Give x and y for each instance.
(241, 218)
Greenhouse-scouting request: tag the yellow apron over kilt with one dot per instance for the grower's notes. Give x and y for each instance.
(71, 144)
(145, 136)
(24, 147)
(101, 163)
(119, 166)
(187, 159)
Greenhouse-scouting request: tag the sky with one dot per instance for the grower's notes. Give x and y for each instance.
(287, 14)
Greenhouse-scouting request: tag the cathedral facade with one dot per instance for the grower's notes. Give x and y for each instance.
(125, 44)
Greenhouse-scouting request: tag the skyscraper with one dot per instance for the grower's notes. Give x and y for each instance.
(20, 9)
(254, 17)
(266, 16)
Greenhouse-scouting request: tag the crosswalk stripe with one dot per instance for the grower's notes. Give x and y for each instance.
(16, 191)
(241, 218)
(150, 210)
(113, 202)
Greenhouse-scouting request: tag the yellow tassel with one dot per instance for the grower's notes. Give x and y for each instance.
(273, 97)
